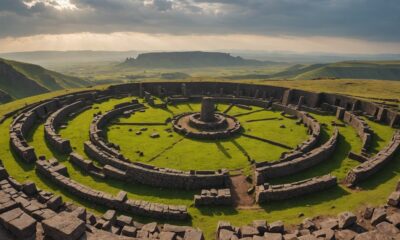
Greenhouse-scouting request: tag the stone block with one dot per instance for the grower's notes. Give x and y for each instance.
(19, 223)
(29, 188)
(346, 219)
(64, 226)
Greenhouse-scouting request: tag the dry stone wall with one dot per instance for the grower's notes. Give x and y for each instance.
(361, 126)
(23, 123)
(120, 202)
(266, 192)
(310, 159)
(213, 197)
(375, 163)
(100, 121)
(54, 121)
(160, 177)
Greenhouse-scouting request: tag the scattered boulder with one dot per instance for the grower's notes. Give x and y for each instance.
(346, 219)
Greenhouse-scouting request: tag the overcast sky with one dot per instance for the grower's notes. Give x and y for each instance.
(337, 26)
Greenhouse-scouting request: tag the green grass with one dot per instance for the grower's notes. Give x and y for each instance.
(330, 202)
(172, 150)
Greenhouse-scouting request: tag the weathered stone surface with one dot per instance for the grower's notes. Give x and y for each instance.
(387, 228)
(29, 188)
(345, 235)
(129, 231)
(110, 215)
(248, 231)
(307, 237)
(64, 226)
(167, 236)
(346, 219)
(261, 226)
(276, 227)
(394, 199)
(394, 218)
(19, 223)
(273, 236)
(123, 220)
(55, 203)
(80, 212)
(329, 223)
(367, 213)
(225, 234)
(307, 223)
(378, 216)
(325, 233)
(150, 227)
(193, 235)
(372, 235)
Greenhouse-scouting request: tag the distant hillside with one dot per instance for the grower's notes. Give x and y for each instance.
(18, 80)
(188, 60)
(387, 70)
(381, 70)
(47, 58)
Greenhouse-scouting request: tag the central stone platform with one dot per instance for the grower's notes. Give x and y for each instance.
(206, 124)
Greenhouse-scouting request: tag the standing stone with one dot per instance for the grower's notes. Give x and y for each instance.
(207, 110)
(184, 90)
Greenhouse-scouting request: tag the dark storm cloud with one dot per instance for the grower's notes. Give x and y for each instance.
(366, 19)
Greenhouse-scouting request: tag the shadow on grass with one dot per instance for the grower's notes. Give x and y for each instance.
(223, 150)
(217, 210)
(241, 148)
(374, 148)
(309, 199)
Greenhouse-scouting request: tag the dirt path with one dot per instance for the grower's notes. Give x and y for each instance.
(239, 191)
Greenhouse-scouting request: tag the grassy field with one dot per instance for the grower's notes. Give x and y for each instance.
(374, 191)
(174, 151)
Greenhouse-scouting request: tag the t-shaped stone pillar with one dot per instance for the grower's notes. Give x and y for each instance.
(207, 110)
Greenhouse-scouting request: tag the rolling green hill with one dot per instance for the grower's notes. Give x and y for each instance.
(357, 70)
(382, 70)
(18, 80)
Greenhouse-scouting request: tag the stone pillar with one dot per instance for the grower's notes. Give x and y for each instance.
(207, 109)
(221, 91)
(340, 113)
(184, 90)
(286, 97)
(381, 117)
(159, 91)
(141, 90)
(356, 105)
(300, 102)
(264, 95)
(256, 94)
